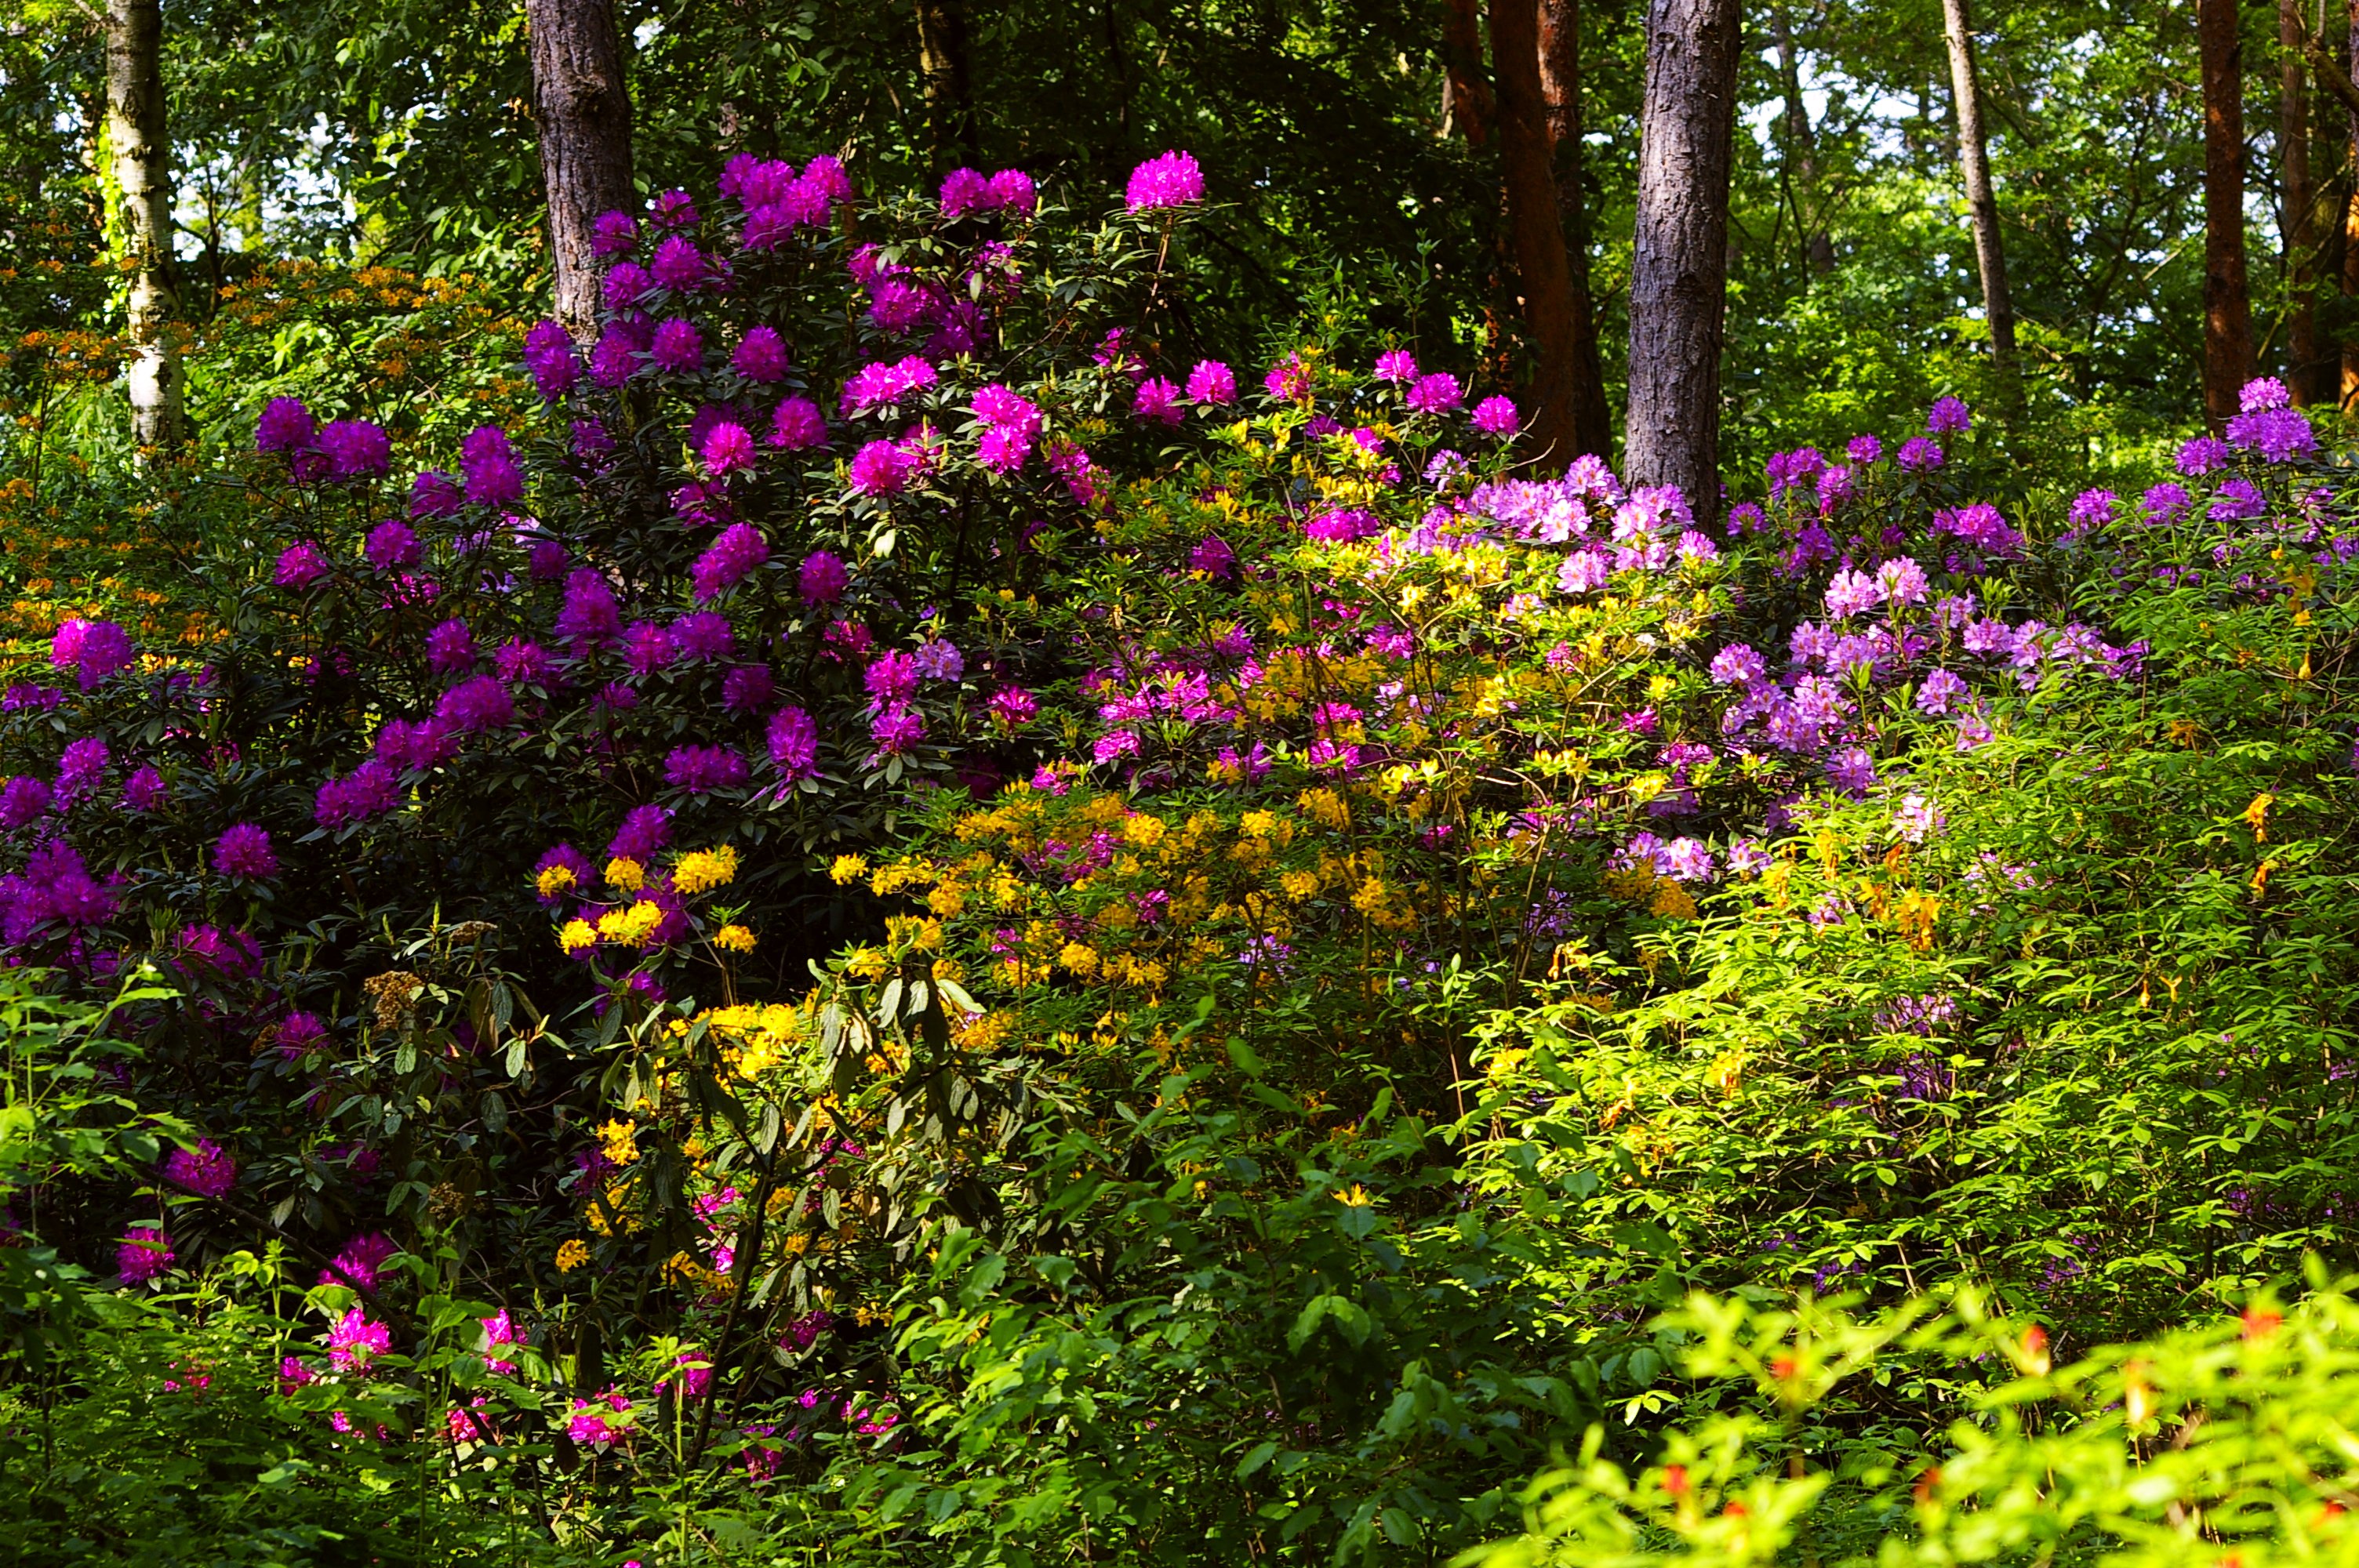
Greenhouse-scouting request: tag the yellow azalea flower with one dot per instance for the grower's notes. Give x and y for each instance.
(734, 938)
(554, 880)
(577, 935)
(701, 871)
(573, 1255)
(1079, 957)
(620, 1140)
(848, 869)
(626, 873)
(630, 927)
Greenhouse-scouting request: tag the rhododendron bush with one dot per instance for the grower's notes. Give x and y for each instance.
(921, 913)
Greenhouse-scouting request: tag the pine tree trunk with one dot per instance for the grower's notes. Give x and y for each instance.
(1678, 280)
(582, 108)
(1559, 20)
(1982, 200)
(1537, 230)
(2297, 225)
(2227, 301)
(138, 168)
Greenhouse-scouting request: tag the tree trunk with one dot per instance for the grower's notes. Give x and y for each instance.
(138, 168)
(1982, 201)
(583, 111)
(2227, 301)
(1461, 57)
(947, 63)
(1678, 277)
(1800, 154)
(1538, 231)
(2297, 227)
(1592, 422)
(2350, 390)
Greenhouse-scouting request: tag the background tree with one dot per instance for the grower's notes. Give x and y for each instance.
(2227, 298)
(582, 108)
(1973, 163)
(139, 177)
(1680, 262)
(1560, 23)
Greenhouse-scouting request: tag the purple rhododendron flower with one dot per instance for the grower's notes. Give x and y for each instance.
(355, 450)
(761, 355)
(143, 791)
(1948, 418)
(728, 560)
(451, 648)
(677, 346)
(698, 770)
(798, 425)
(1171, 181)
(823, 579)
(1156, 400)
(299, 565)
(794, 744)
(1211, 384)
(244, 851)
(370, 790)
(285, 427)
(482, 702)
(644, 830)
(145, 1252)
(548, 355)
(204, 1169)
(81, 769)
(727, 449)
(92, 649)
(1496, 417)
(1436, 394)
(392, 544)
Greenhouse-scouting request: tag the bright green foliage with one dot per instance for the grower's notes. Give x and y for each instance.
(2229, 1441)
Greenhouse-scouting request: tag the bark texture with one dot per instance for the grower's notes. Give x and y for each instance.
(1537, 230)
(582, 109)
(2349, 395)
(138, 168)
(1560, 29)
(1973, 163)
(1679, 282)
(2297, 223)
(1461, 58)
(947, 61)
(2227, 298)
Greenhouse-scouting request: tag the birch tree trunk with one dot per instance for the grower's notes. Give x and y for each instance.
(582, 109)
(139, 169)
(1982, 200)
(2227, 299)
(2297, 223)
(1679, 281)
(1559, 23)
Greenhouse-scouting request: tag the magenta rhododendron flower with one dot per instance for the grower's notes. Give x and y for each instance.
(144, 1253)
(1171, 181)
(206, 1170)
(244, 852)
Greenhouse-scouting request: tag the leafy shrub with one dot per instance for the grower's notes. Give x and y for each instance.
(961, 935)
